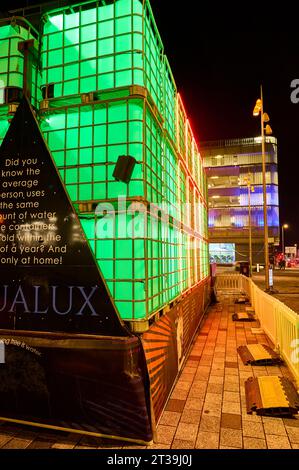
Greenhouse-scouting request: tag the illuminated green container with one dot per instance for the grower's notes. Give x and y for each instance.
(86, 141)
(12, 32)
(87, 49)
(108, 91)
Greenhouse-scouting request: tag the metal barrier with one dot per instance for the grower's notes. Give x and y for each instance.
(228, 283)
(279, 322)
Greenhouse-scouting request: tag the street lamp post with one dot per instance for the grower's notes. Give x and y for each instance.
(284, 226)
(259, 109)
(250, 189)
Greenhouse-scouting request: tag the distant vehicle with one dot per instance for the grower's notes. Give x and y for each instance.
(292, 262)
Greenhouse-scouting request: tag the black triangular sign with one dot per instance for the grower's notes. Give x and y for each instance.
(49, 279)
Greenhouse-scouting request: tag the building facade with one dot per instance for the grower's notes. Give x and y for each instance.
(235, 187)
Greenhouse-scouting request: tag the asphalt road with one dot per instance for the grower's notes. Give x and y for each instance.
(285, 285)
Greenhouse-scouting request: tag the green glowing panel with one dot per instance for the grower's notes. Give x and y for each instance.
(85, 156)
(72, 37)
(6, 31)
(106, 64)
(139, 291)
(106, 81)
(58, 158)
(55, 40)
(4, 125)
(54, 24)
(125, 309)
(71, 175)
(114, 151)
(57, 140)
(85, 192)
(124, 269)
(123, 25)
(71, 71)
(139, 269)
(55, 58)
(124, 290)
(88, 50)
(140, 310)
(117, 132)
(72, 20)
(100, 135)
(104, 249)
(123, 78)
(71, 157)
(106, 29)
(55, 74)
(85, 174)
(72, 191)
(106, 267)
(88, 33)
(71, 87)
(99, 155)
(117, 111)
(57, 121)
(99, 191)
(86, 115)
(88, 16)
(123, 7)
(85, 136)
(105, 13)
(136, 109)
(71, 54)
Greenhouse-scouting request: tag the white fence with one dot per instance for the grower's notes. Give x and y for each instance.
(278, 321)
(229, 283)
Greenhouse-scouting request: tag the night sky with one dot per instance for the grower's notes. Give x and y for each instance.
(219, 57)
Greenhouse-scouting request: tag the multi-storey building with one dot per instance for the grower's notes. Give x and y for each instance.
(232, 166)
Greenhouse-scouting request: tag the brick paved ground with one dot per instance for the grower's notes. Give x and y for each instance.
(207, 408)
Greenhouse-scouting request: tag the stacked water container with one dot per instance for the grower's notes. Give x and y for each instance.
(108, 91)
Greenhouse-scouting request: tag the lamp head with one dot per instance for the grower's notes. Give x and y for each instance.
(258, 107)
(268, 130)
(285, 226)
(266, 117)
